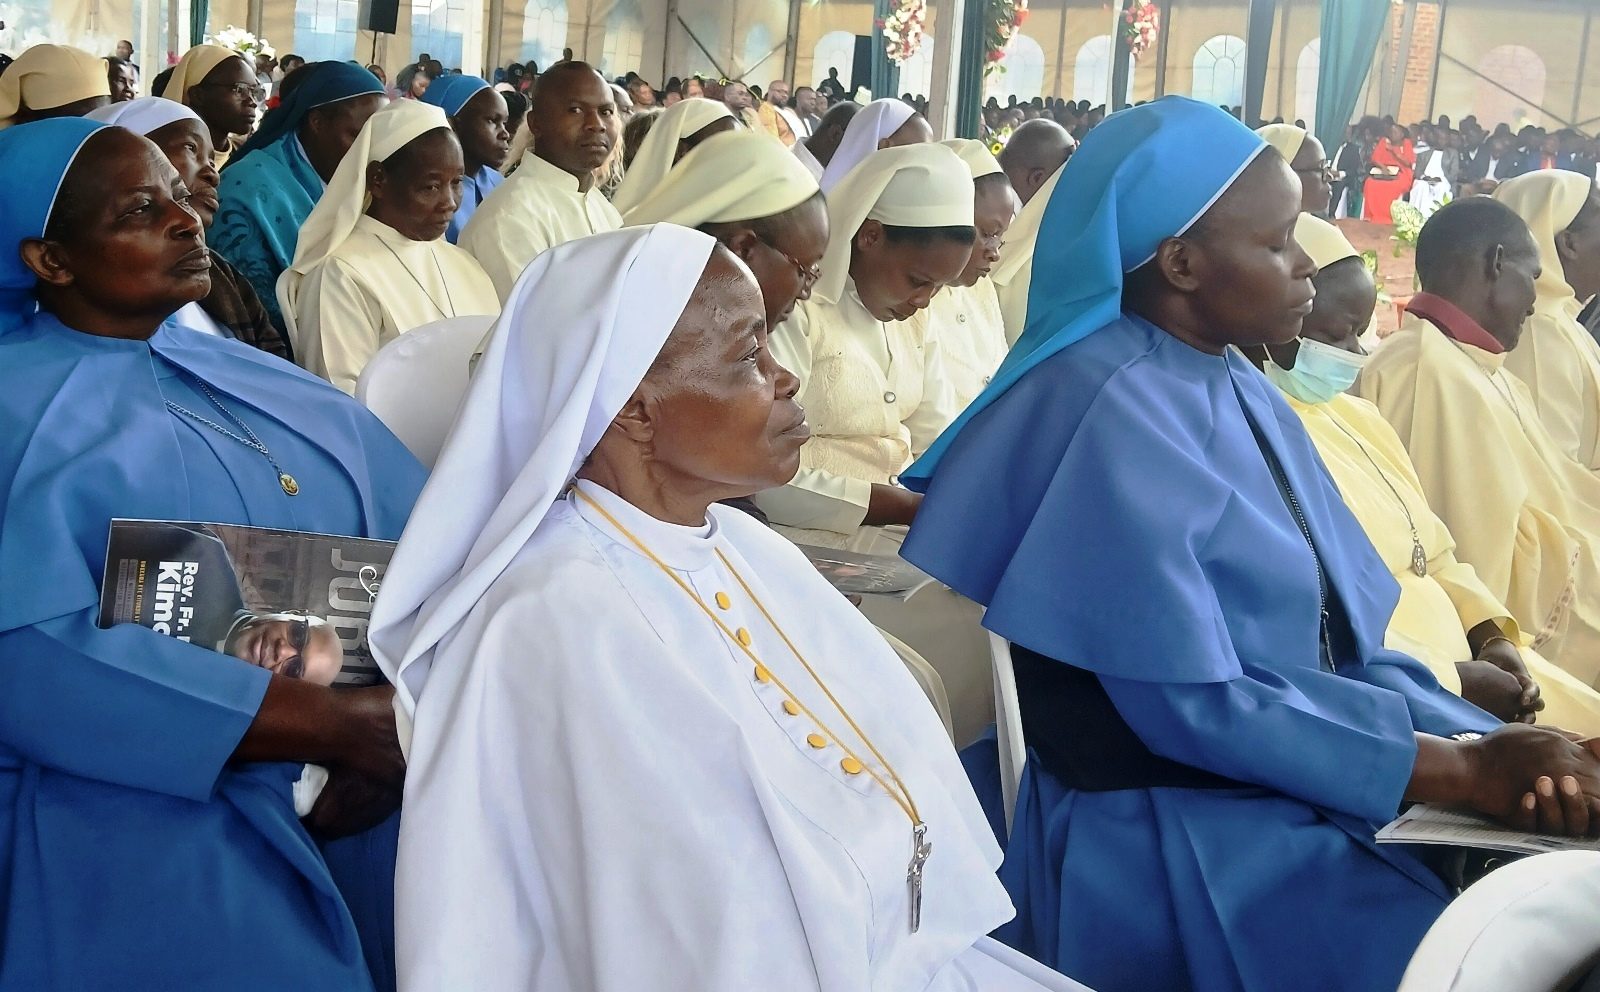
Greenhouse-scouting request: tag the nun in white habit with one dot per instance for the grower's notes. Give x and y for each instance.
(886, 123)
(676, 132)
(650, 747)
(372, 261)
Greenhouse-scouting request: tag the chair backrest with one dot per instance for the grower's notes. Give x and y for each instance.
(415, 382)
(1531, 926)
(1008, 723)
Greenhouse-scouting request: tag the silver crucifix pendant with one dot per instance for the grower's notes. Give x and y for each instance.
(921, 847)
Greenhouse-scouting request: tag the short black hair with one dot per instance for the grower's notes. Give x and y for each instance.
(993, 181)
(1461, 235)
(924, 236)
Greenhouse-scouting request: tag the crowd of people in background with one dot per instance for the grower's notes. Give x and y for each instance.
(640, 742)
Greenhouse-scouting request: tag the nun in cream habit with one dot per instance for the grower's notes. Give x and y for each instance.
(877, 392)
(357, 283)
(1557, 358)
(1013, 273)
(650, 753)
(675, 132)
(965, 317)
(1445, 614)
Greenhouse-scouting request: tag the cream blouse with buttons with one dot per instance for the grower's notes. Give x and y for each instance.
(876, 395)
(971, 332)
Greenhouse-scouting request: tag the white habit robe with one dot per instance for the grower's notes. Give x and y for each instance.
(967, 323)
(613, 798)
(537, 207)
(374, 287)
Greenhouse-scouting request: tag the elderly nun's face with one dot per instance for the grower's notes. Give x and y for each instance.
(1247, 279)
(187, 145)
(417, 189)
(722, 410)
(123, 249)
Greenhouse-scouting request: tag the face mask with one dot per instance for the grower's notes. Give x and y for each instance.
(1320, 372)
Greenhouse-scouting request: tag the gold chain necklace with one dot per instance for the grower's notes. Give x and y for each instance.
(1419, 556)
(921, 847)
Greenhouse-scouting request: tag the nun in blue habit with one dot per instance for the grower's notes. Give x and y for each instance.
(478, 115)
(271, 183)
(1215, 728)
(148, 839)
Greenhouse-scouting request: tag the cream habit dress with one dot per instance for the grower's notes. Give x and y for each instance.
(1522, 512)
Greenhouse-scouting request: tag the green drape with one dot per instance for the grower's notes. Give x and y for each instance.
(969, 77)
(885, 74)
(199, 13)
(1350, 33)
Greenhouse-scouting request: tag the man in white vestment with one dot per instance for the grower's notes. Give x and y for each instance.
(649, 746)
(552, 197)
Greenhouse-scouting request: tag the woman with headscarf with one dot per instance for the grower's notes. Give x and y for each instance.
(1196, 619)
(965, 316)
(1446, 617)
(886, 123)
(222, 88)
(1305, 155)
(372, 261)
(147, 781)
(1556, 357)
(573, 507)
(231, 309)
(478, 115)
(874, 383)
(272, 182)
(676, 130)
(1390, 171)
(52, 81)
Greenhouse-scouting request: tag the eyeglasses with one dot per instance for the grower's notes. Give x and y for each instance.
(809, 274)
(242, 90)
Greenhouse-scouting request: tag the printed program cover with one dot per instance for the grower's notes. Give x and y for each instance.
(292, 602)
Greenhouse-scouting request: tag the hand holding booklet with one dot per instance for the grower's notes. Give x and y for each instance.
(1428, 824)
(294, 603)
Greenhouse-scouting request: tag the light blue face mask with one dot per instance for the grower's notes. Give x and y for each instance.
(1320, 372)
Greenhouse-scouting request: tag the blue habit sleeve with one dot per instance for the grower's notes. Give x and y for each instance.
(126, 705)
(1321, 738)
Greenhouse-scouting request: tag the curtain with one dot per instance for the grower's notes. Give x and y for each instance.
(199, 13)
(1350, 33)
(969, 77)
(885, 74)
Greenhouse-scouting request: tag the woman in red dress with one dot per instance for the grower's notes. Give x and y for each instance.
(1394, 163)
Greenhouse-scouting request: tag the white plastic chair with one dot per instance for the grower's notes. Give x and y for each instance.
(1532, 926)
(415, 382)
(1007, 724)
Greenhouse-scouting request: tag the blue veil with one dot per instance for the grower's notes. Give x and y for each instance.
(35, 159)
(1144, 175)
(328, 82)
(451, 93)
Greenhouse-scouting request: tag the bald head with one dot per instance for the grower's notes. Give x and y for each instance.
(830, 132)
(1034, 153)
(573, 119)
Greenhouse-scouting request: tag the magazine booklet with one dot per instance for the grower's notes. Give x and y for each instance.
(293, 602)
(856, 573)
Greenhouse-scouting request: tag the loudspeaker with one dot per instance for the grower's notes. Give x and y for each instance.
(382, 16)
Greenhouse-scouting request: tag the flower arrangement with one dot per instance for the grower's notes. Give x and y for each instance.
(1004, 19)
(902, 29)
(1408, 221)
(243, 42)
(1141, 22)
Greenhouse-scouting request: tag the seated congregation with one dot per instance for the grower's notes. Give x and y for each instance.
(1261, 590)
